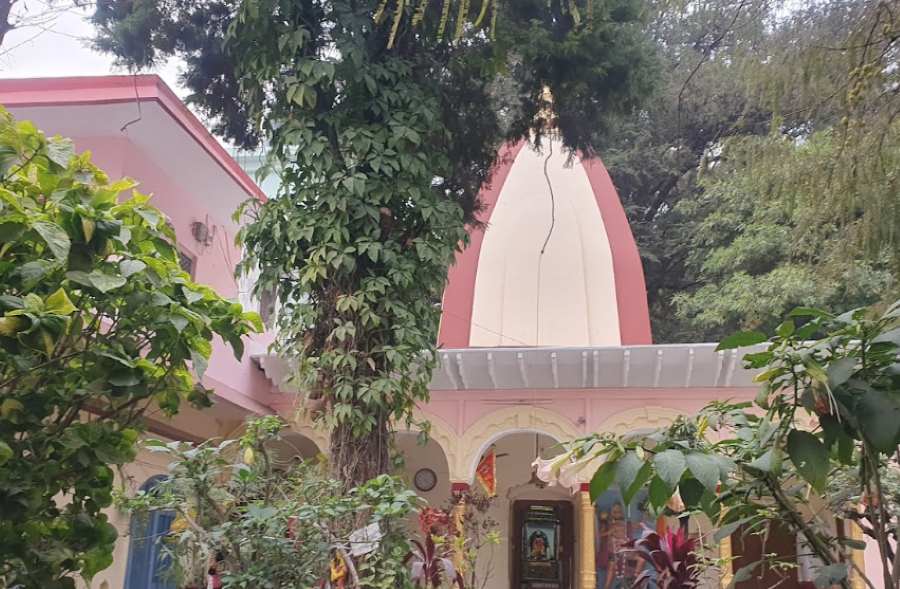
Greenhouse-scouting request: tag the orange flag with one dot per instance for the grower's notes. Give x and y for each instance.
(486, 473)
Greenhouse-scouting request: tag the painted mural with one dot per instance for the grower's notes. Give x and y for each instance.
(616, 524)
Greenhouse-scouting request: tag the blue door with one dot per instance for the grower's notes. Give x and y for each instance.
(148, 564)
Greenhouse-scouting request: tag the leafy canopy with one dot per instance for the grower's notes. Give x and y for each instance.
(759, 177)
(98, 323)
(382, 131)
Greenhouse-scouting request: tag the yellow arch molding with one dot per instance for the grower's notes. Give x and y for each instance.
(491, 427)
(639, 417)
(444, 435)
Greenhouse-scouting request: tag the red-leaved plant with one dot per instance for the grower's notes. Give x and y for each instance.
(672, 557)
(429, 560)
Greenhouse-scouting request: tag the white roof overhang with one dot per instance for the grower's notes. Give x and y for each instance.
(665, 366)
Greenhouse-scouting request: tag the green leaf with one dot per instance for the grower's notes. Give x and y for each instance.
(878, 413)
(5, 452)
(602, 479)
(11, 231)
(123, 378)
(670, 465)
(60, 151)
(892, 336)
(659, 493)
(32, 272)
(10, 406)
(628, 468)
(840, 370)
(79, 277)
(810, 456)
(830, 575)
(10, 326)
(98, 559)
(106, 282)
(815, 370)
(728, 529)
(191, 296)
(59, 304)
(786, 329)
(88, 226)
(744, 573)
(742, 339)
(643, 475)
(852, 543)
(55, 238)
(705, 469)
(179, 321)
(758, 359)
(199, 363)
(131, 267)
(769, 461)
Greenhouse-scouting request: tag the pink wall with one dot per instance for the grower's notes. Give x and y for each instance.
(241, 383)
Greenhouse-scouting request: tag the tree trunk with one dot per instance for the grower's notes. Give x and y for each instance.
(5, 26)
(357, 459)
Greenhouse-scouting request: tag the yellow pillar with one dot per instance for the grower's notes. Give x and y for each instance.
(457, 521)
(586, 577)
(725, 555)
(857, 556)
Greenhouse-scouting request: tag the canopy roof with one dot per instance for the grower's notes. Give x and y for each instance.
(672, 366)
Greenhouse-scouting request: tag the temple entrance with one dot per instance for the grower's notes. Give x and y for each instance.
(542, 543)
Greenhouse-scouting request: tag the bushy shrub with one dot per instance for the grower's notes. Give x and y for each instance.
(97, 322)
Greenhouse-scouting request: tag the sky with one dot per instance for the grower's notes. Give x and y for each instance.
(60, 47)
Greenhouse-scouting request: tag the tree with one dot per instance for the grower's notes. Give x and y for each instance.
(824, 230)
(656, 153)
(382, 131)
(758, 251)
(99, 322)
(755, 112)
(15, 15)
(828, 410)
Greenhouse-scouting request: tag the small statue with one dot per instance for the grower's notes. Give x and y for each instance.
(338, 572)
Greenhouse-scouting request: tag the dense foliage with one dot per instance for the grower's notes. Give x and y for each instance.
(828, 409)
(760, 177)
(382, 132)
(254, 517)
(98, 323)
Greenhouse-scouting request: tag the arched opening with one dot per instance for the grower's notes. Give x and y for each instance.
(520, 497)
(292, 446)
(424, 467)
(148, 565)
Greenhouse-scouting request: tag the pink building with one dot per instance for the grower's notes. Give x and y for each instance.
(545, 334)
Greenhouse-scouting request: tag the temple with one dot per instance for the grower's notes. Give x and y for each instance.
(545, 336)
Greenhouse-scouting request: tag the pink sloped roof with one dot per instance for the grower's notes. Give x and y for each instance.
(22, 92)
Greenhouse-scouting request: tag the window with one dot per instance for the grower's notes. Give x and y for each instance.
(186, 261)
(147, 563)
(267, 306)
(265, 302)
